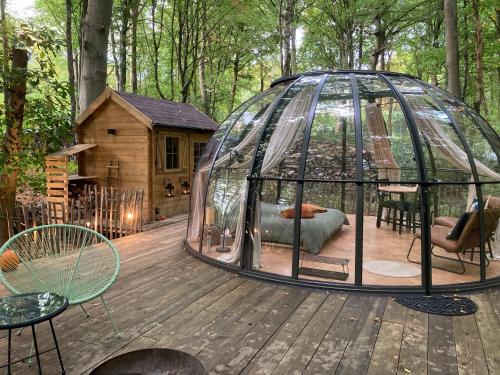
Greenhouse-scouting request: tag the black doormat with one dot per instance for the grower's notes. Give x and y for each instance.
(440, 305)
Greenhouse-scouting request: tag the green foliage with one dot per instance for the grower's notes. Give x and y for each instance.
(46, 126)
(241, 41)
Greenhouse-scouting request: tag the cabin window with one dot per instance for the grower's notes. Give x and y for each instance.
(198, 149)
(172, 153)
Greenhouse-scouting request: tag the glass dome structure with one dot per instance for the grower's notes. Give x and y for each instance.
(351, 180)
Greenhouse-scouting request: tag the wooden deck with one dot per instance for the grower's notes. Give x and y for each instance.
(166, 298)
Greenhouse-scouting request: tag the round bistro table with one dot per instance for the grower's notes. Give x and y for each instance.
(23, 310)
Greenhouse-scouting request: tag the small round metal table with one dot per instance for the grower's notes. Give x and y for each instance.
(23, 310)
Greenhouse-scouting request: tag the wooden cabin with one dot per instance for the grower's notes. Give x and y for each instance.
(144, 143)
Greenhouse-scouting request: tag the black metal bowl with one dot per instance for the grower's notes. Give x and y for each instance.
(151, 362)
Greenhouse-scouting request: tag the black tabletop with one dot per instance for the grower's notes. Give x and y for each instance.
(20, 310)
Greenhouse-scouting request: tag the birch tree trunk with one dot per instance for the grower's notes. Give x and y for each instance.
(451, 43)
(94, 59)
(14, 114)
(70, 60)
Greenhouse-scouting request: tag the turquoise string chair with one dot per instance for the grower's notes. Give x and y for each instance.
(70, 260)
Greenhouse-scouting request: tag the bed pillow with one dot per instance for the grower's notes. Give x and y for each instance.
(314, 208)
(457, 230)
(289, 213)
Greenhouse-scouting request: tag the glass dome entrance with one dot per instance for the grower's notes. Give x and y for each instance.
(351, 180)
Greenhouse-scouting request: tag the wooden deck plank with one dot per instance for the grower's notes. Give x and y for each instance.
(489, 331)
(470, 356)
(300, 353)
(166, 298)
(229, 355)
(194, 336)
(385, 357)
(332, 348)
(441, 355)
(277, 346)
(413, 353)
(356, 358)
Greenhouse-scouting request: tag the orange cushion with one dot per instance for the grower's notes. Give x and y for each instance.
(289, 213)
(314, 208)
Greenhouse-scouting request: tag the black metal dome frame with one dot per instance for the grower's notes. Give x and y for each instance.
(424, 183)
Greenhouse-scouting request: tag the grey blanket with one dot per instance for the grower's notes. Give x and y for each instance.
(313, 232)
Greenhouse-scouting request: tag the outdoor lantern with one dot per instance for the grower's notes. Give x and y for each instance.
(169, 190)
(185, 188)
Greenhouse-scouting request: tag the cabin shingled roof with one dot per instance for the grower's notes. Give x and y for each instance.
(166, 113)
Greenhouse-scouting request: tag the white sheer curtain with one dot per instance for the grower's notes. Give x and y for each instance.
(380, 142)
(433, 131)
(287, 132)
(201, 178)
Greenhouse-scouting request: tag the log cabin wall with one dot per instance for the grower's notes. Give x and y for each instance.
(129, 145)
(179, 204)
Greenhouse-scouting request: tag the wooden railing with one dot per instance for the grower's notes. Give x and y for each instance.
(112, 212)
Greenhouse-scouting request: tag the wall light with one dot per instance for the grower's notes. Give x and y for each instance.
(169, 190)
(185, 188)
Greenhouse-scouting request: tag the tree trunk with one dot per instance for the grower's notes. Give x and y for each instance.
(435, 25)
(497, 24)
(70, 60)
(287, 34)
(116, 63)
(188, 39)
(379, 42)
(122, 49)
(360, 47)
(11, 147)
(350, 45)
(201, 67)
(280, 30)
(293, 62)
(133, 45)
(236, 70)
(465, 51)
(261, 74)
(479, 48)
(5, 51)
(94, 52)
(172, 50)
(451, 42)
(78, 70)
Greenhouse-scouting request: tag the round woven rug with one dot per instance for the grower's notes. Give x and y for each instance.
(391, 268)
